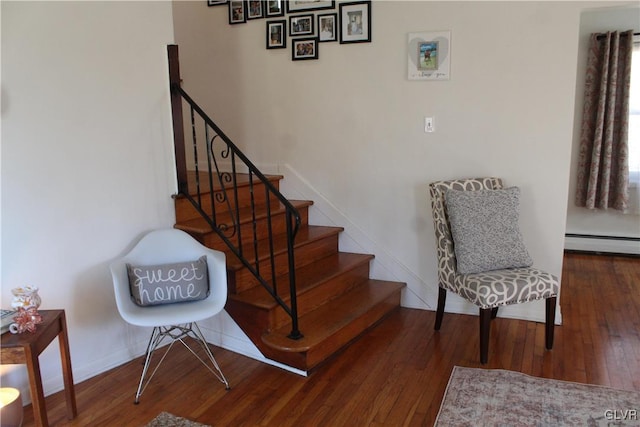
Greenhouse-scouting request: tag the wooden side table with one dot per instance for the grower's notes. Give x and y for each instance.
(26, 347)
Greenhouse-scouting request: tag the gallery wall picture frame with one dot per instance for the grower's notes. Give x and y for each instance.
(277, 34)
(304, 5)
(429, 55)
(237, 12)
(327, 27)
(355, 22)
(304, 48)
(301, 25)
(216, 2)
(255, 9)
(274, 8)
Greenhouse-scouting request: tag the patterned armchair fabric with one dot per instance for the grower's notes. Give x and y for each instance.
(488, 289)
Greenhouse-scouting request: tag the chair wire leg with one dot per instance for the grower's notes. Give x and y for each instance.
(214, 368)
(177, 333)
(157, 336)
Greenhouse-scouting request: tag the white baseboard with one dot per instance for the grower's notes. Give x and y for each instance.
(604, 244)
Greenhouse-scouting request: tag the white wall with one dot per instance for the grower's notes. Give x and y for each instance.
(582, 220)
(87, 163)
(348, 128)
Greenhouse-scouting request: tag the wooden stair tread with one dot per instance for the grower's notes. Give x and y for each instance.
(330, 318)
(201, 226)
(306, 234)
(307, 277)
(337, 301)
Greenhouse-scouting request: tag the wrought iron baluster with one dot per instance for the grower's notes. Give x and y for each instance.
(210, 155)
(195, 156)
(295, 330)
(272, 257)
(226, 199)
(252, 203)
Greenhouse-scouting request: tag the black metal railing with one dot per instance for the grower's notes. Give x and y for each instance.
(211, 169)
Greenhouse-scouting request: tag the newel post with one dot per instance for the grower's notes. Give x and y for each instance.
(176, 113)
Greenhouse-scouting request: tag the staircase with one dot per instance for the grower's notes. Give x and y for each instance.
(336, 299)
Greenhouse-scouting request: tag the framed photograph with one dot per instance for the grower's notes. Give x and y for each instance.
(277, 34)
(275, 8)
(429, 55)
(355, 22)
(302, 49)
(255, 9)
(328, 27)
(237, 11)
(216, 2)
(302, 5)
(301, 25)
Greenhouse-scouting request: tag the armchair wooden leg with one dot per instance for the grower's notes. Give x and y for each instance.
(485, 328)
(550, 321)
(442, 297)
(494, 312)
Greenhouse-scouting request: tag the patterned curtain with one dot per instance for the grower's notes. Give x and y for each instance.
(603, 171)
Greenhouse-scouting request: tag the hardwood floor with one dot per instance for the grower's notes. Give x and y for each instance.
(396, 374)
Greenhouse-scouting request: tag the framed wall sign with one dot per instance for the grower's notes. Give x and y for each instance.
(429, 55)
(216, 2)
(355, 22)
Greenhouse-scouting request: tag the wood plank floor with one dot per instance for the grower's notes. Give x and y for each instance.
(396, 374)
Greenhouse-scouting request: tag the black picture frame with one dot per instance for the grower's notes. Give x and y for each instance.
(304, 48)
(327, 27)
(301, 25)
(255, 9)
(216, 2)
(277, 34)
(237, 12)
(355, 22)
(274, 8)
(294, 6)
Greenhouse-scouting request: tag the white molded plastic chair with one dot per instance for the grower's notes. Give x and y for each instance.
(174, 321)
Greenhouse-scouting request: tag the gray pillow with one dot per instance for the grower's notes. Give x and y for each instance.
(485, 231)
(169, 283)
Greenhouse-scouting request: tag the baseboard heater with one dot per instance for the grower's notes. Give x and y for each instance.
(602, 244)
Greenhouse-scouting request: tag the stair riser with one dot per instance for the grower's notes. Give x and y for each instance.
(357, 327)
(320, 295)
(304, 254)
(185, 210)
(337, 302)
(278, 226)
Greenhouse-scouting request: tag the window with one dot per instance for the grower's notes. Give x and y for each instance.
(634, 115)
(634, 129)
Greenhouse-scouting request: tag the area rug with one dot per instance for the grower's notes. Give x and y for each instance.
(495, 397)
(166, 419)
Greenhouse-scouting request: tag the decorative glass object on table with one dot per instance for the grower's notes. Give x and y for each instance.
(26, 302)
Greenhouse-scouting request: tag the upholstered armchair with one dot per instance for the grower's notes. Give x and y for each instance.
(495, 268)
